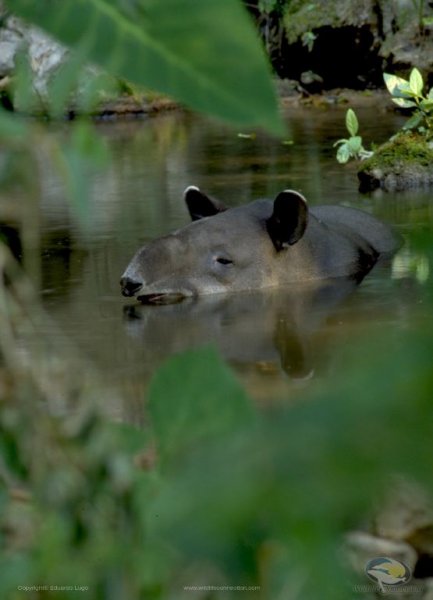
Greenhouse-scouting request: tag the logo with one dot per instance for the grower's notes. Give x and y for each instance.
(387, 571)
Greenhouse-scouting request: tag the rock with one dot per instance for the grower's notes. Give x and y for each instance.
(335, 13)
(287, 88)
(9, 43)
(45, 55)
(407, 514)
(360, 547)
(405, 161)
(350, 44)
(403, 530)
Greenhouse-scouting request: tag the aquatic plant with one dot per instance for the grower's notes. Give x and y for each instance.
(351, 147)
(408, 93)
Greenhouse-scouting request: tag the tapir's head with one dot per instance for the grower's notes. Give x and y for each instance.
(222, 250)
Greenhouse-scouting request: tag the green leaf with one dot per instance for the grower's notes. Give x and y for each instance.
(210, 401)
(351, 122)
(25, 98)
(64, 83)
(403, 103)
(393, 82)
(430, 94)
(343, 153)
(93, 89)
(355, 144)
(127, 438)
(205, 54)
(415, 82)
(399, 87)
(414, 121)
(11, 126)
(427, 105)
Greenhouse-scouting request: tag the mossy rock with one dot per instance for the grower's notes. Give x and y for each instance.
(405, 161)
(301, 16)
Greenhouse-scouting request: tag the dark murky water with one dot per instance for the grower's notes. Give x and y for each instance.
(275, 341)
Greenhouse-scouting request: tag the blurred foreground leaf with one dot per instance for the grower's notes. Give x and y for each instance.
(242, 498)
(210, 401)
(11, 127)
(78, 158)
(279, 495)
(205, 54)
(25, 98)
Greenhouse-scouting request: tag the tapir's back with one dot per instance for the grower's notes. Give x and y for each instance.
(379, 235)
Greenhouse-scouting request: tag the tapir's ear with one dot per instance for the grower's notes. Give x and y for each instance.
(200, 205)
(287, 224)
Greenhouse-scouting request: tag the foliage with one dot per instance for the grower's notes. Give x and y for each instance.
(202, 65)
(213, 493)
(398, 151)
(351, 147)
(77, 157)
(409, 94)
(308, 38)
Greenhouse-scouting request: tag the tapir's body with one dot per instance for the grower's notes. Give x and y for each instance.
(260, 245)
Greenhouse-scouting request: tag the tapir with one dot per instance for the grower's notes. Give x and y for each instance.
(263, 244)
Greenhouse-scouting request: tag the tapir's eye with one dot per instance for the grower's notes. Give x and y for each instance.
(222, 260)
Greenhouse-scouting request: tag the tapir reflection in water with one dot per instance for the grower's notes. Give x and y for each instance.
(257, 246)
(274, 332)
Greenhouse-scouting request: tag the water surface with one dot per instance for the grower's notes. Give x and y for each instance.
(279, 343)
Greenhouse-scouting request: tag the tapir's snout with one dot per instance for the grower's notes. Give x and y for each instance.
(129, 286)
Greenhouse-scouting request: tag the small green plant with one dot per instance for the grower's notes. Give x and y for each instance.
(409, 94)
(351, 147)
(423, 21)
(308, 39)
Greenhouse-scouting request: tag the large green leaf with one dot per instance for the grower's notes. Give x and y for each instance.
(205, 54)
(210, 401)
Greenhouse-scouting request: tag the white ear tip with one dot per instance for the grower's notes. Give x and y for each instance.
(191, 188)
(294, 192)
